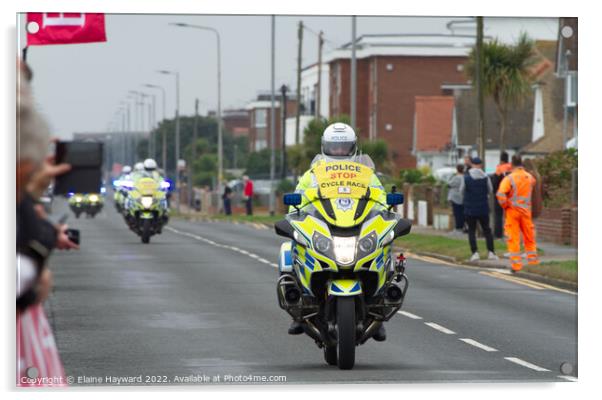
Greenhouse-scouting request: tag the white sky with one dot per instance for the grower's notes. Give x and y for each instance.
(79, 87)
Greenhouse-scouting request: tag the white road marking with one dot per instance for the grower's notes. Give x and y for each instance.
(405, 313)
(477, 344)
(568, 378)
(440, 328)
(224, 246)
(526, 364)
(409, 314)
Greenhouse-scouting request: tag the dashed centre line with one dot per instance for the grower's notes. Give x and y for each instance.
(526, 364)
(433, 325)
(440, 328)
(224, 246)
(409, 314)
(481, 346)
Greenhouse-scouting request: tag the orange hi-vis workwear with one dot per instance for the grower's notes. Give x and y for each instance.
(514, 196)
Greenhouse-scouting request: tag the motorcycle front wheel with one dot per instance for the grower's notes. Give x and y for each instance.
(146, 228)
(346, 332)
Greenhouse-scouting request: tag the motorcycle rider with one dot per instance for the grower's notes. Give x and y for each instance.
(150, 168)
(339, 143)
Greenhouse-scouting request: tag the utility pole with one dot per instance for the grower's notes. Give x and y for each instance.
(299, 55)
(273, 120)
(319, 89)
(149, 143)
(283, 102)
(193, 155)
(479, 84)
(353, 71)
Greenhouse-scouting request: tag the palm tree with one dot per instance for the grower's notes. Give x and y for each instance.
(507, 75)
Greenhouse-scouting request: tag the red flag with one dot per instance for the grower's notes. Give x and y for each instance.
(65, 28)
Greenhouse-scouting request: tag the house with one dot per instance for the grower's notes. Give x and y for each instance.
(434, 123)
(237, 122)
(260, 120)
(391, 71)
(309, 89)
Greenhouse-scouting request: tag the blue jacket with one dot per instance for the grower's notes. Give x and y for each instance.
(476, 188)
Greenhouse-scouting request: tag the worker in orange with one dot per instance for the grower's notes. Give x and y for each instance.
(514, 196)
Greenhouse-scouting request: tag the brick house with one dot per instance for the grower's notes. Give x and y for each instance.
(391, 71)
(260, 119)
(434, 122)
(237, 122)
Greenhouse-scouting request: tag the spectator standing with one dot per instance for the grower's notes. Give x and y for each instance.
(248, 194)
(36, 238)
(454, 196)
(467, 163)
(514, 196)
(227, 199)
(476, 189)
(501, 170)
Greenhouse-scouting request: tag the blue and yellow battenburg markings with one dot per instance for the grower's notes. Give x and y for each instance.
(344, 287)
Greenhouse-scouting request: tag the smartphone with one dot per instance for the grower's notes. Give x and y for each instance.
(85, 175)
(73, 235)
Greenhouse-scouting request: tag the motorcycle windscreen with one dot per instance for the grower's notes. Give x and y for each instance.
(341, 184)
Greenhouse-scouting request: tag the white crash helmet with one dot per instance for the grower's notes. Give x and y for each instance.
(339, 141)
(138, 166)
(150, 164)
(126, 169)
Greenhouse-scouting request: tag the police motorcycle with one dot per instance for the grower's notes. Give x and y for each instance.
(338, 276)
(145, 209)
(120, 188)
(77, 203)
(93, 203)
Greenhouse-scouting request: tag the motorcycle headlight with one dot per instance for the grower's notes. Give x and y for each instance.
(93, 198)
(344, 249)
(322, 244)
(146, 201)
(78, 199)
(367, 245)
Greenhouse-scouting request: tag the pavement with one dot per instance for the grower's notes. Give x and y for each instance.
(551, 251)
(199, 304)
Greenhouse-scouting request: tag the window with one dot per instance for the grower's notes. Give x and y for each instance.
(571, 89)
(261, 118)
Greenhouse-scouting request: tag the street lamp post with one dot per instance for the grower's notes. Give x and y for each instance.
(163, 138)
(135, 94)
(177, 144)
(220, 151)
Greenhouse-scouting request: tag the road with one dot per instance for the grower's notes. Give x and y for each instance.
(199, 302)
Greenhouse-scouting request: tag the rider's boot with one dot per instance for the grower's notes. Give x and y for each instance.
(381, 334)
(295, 329)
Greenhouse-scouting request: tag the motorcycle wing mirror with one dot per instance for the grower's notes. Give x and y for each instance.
(284, 228)
(403, 227)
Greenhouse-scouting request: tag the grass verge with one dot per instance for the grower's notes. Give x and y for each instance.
(447, 246)
(564, 270)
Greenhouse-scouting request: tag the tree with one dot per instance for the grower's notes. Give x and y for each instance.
(507, 77)
(377, 150)
(206, 147)
(300, 156)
